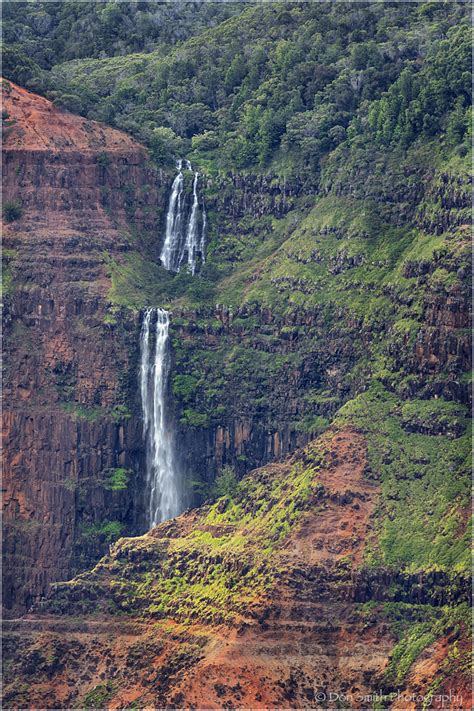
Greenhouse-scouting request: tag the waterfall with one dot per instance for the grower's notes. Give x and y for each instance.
(164, 500)
(170, 254)
(192, 240)
(182, 244)
(202, 243)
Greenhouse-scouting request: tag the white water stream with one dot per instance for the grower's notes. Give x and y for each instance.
(163, 481)
(184, 242)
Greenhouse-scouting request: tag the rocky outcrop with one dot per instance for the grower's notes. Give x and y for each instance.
(236, 195)
(439, 351)
(449, 205)
(287, 357)
(263, 380)
(86, 197)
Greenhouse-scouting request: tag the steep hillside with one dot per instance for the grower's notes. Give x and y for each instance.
(270, 596)
(40, 34)
(318, 368)
(283, 85)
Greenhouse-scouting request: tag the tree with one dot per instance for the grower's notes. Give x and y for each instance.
(235, 73)
(457, 124)
(165, 145)
(226, 483)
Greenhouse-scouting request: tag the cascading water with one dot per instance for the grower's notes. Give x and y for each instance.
(192, 239)
(202, 244)
(183, 244)
(170, 254)
(164, 497)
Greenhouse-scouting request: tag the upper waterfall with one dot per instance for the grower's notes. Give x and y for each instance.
(163, 480)
(170, 254)
(192, 239)
(186, 227)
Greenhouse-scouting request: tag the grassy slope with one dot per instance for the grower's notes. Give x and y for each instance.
(223, 563)
(421, 521)
(418, 449)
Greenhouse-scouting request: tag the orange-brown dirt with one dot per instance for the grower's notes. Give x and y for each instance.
(37, 125)
(307, 649)
(438, 662)
(338, 531)
(68, 173)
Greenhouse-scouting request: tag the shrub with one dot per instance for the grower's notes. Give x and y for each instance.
(108, 531)
(120, 413)
(12, 210)
(195, 419)
(103, 159)
(117, 479)
(226, 483)
(165, 145)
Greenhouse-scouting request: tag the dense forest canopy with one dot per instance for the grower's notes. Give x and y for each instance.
(53, 32)
(275, 86)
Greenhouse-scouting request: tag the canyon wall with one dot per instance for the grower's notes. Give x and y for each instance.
(85, 202)
(253, 379)
(70, 436)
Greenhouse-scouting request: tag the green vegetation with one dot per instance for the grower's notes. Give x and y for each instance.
(415, 636)
(334, 149)
(218, 571)
(8, 271)
(120, 413)
(136, 282)
(12, 210)
(407, 651)
(117, 479)
(424, 479)
(98, 696)
(356, 119)
(7, 280)
(346, 261)
(107, 531)
(45, 33)
(312, 424)
(305, 84)
(416, 104)
(103, 159)
(226, 483)
(194, 419)
(82, 412)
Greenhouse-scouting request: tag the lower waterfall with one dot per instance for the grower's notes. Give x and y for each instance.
(163, 481)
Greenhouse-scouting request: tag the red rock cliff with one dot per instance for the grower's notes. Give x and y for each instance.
(81, 188)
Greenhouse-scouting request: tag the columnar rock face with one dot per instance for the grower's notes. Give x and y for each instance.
(78, 188)
(83, 199)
